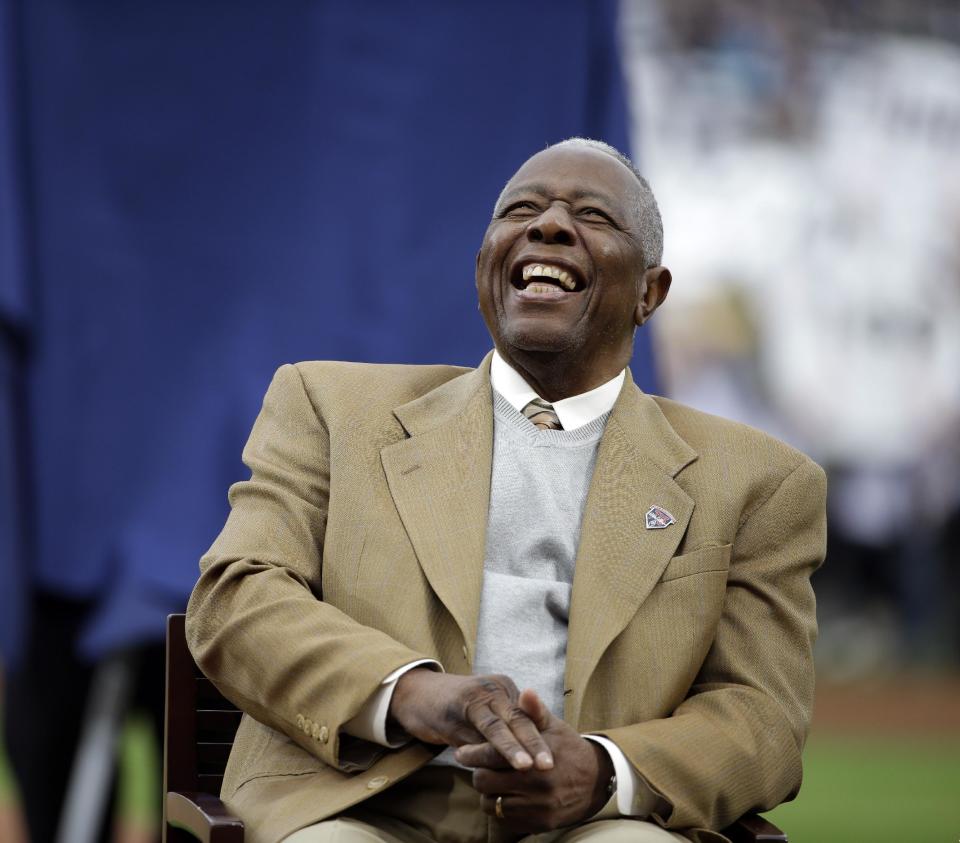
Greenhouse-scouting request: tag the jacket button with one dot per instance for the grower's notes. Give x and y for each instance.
(324, 734)
(377, 782)
(315, 731)
(299, 721)
(307, 724)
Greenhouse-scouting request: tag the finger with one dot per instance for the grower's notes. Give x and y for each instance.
(516, 813)
(488, 804)
(526, 733)
(464, 736)
(531, 705)
(492, 727)
(540, 718)
(481, 755)
(503, 782)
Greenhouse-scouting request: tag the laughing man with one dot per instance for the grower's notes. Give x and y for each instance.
(526, 599)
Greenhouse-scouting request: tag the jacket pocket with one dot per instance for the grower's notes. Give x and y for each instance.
(713, 557)
(260, 750)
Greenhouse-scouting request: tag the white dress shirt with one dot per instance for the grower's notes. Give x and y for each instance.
(632, 797)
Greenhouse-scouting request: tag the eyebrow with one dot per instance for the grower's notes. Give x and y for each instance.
(543, 190)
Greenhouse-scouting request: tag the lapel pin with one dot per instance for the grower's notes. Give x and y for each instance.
(658, 518)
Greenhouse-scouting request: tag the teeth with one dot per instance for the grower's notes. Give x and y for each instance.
(547, 271)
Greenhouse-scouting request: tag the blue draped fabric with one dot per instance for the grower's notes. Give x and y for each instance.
(15, 323)
(218, 188)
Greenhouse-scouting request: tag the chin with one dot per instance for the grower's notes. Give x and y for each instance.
(536, 338)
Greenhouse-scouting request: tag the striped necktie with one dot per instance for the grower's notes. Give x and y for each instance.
(542, 415)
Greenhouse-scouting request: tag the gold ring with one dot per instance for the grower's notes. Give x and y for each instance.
(498, 808)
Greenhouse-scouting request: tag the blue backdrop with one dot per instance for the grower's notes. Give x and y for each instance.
(194, 193)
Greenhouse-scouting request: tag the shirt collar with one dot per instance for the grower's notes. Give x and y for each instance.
(573, 412)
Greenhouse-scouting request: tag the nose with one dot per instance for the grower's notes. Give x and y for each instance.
(552, 226)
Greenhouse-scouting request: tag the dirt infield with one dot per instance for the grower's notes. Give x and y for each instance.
(907, 705)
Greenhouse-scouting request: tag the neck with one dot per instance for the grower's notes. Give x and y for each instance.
(554, 376)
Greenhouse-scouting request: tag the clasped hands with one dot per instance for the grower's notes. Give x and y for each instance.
(545, 774)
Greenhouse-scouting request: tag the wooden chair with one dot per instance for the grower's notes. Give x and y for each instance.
(200, 727)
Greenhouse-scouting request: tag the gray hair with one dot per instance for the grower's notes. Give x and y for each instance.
(645, 209)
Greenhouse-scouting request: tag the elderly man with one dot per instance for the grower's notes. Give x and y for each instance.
(418, 543)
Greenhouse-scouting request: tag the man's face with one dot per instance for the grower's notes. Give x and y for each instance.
(561, 268)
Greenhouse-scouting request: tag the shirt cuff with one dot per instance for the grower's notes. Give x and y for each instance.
(633, 797)
(370, 723)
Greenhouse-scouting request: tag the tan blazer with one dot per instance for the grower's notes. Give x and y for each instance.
(357, 546)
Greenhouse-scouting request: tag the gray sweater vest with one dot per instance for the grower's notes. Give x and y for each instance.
(538, 490)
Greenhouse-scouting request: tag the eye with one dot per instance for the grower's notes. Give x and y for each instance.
(524, 208)
(595, 214)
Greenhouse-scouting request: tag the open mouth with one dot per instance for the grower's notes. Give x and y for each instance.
(538, 278)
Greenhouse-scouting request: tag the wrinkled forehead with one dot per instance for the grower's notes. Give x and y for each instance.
(575, 171)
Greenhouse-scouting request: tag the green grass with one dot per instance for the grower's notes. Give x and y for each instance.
(140, 776)
(7, 785)
(6, 780)
(876, 790)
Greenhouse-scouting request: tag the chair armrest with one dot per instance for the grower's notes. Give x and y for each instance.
(752, 828)
(204, 816)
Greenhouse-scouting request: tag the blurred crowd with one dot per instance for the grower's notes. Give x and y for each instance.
(806, 158)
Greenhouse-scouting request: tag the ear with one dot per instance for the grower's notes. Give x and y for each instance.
(654, 287)
(476, 269)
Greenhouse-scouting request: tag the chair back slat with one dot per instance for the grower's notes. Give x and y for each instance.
(212, 758)
(215, 726)
(200, 722)
(206, 694)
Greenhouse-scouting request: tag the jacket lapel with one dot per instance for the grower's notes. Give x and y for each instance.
(440, 482)
(619, 560)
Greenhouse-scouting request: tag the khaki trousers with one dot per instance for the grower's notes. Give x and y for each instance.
(439, 805)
